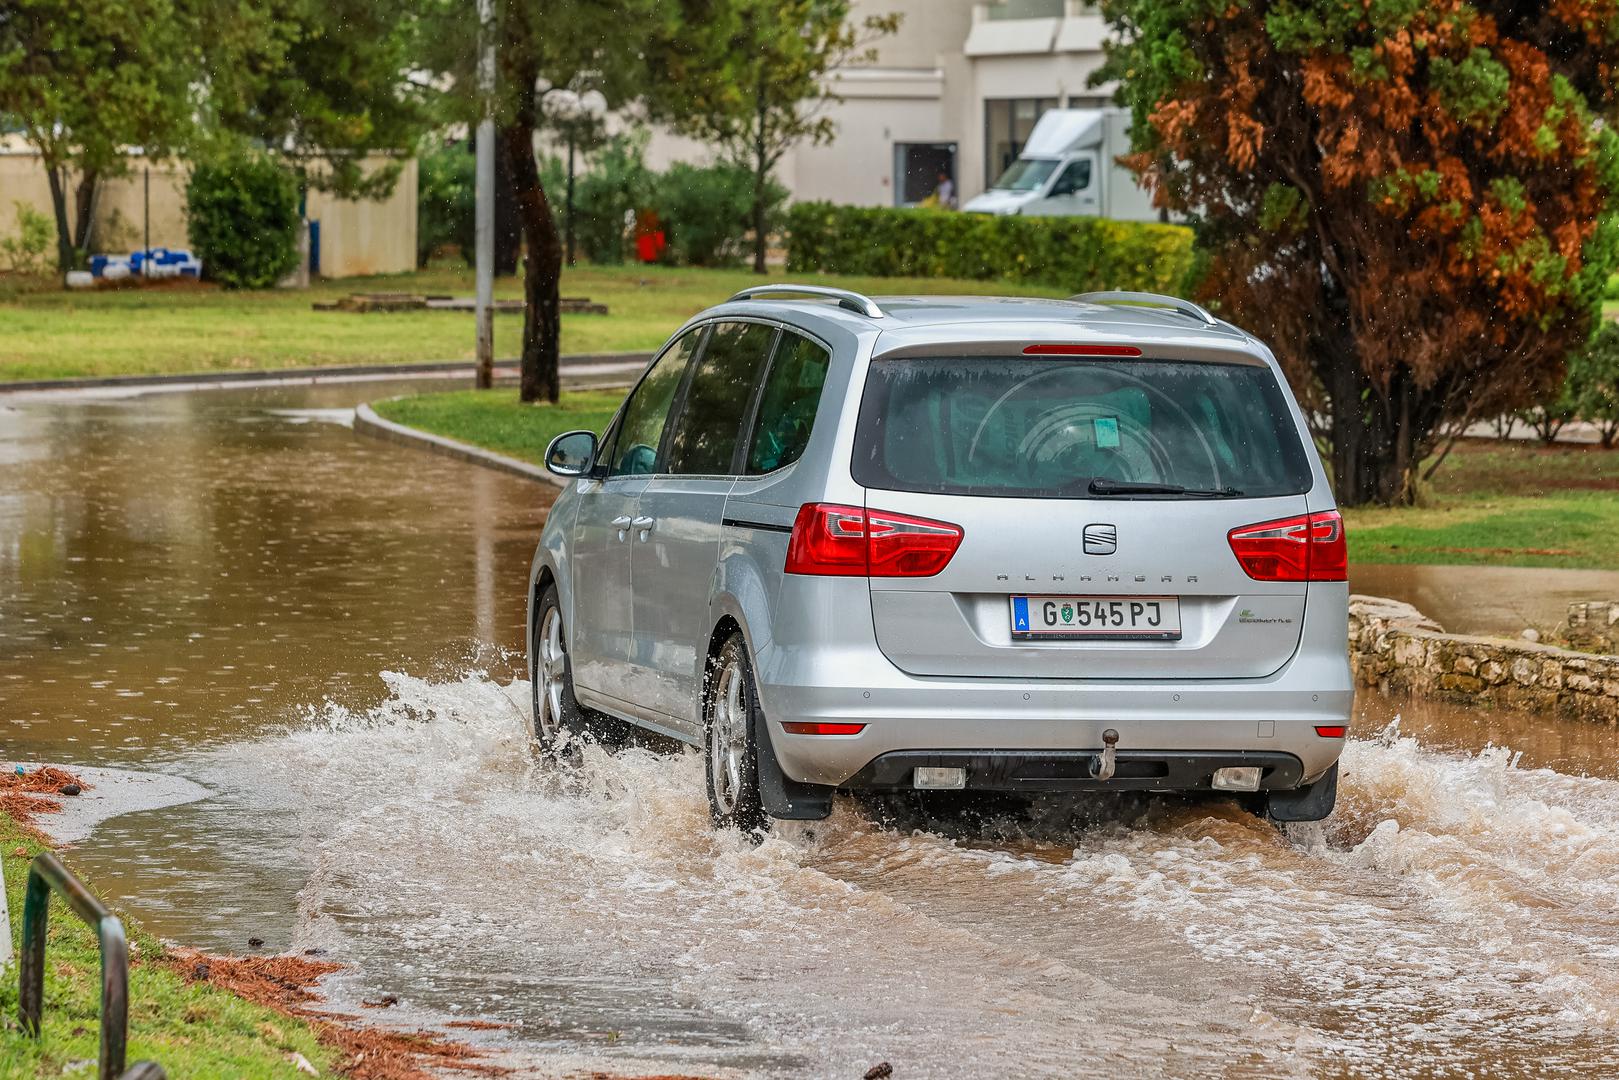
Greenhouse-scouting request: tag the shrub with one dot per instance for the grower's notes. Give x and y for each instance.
(242, 214)
(1593, 382)
(617, 184)
(1589, 391)
(27, 251)
(446, 201)
(1077, 253)
(707, 212)
(1554, 411)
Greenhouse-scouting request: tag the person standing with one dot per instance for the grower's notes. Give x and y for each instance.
(946, 191)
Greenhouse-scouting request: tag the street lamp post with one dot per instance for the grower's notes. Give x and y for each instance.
(485, 218)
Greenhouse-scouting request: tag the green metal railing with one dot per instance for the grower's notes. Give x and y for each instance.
(45, 873)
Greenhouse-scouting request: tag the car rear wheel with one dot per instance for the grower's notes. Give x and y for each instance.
(729, 750)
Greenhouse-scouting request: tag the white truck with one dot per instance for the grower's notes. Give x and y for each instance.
(1069, 166)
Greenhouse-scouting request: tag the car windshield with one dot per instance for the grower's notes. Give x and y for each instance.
(1026, 174)
(1077, 428)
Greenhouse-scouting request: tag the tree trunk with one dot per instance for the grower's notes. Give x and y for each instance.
(508, 230)
(761, 178)
(64, 234)
(568, 216)
(1377, 437)
(542, 261)
(84, 210)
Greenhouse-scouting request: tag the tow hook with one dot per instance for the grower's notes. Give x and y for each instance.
(1102, 764)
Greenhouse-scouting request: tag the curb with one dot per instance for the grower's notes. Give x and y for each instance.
(274, 375)
(367, 422)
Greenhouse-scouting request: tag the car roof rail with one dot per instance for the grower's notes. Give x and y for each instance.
(1148, 299)
(859, 303)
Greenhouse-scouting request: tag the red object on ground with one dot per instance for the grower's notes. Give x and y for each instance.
(649, 246)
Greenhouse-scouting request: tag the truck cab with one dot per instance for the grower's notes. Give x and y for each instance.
(1069, 167)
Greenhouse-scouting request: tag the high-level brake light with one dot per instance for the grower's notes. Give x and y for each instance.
(1310, 547)
(1057, 349)
(848, 541)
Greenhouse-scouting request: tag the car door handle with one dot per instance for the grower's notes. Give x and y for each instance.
(622, 524)
(644, 525)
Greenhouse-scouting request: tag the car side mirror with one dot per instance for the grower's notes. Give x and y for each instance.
(571, 453)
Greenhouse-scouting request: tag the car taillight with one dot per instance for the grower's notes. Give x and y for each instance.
(851, 541)
(1331, 731)
(1306, 548)
(793, 727)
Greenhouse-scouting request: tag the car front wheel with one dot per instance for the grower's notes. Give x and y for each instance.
(555, 708)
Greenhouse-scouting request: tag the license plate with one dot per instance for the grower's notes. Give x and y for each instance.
(1120, 618)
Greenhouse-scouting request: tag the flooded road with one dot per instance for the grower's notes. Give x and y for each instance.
(317, 627)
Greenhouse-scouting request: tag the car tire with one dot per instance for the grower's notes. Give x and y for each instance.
(557, 711)
(730, 753)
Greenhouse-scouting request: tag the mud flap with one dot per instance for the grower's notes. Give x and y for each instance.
(1306, 803)
(784, 798)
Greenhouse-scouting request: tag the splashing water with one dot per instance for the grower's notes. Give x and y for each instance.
(1456, 916)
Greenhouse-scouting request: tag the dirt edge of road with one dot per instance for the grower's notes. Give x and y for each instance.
(288, 984)
(26, 795)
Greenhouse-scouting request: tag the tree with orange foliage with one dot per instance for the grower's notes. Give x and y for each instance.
(1413, 201)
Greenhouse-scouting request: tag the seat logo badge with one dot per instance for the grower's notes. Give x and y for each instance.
(1101, 539)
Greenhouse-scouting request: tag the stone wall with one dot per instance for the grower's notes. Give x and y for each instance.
(1393, 646)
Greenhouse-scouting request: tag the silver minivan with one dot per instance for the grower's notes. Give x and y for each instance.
(953, 543)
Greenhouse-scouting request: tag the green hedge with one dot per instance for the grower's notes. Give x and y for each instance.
(242, 219)
(1078, 253)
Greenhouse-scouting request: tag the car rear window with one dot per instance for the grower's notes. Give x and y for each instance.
(1046, 427)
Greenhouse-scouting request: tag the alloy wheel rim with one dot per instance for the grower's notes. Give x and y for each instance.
(728, 738)
(549, 666)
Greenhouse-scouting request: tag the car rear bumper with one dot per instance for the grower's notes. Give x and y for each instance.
(830, 670)
(1070, 770)
(1274, 715)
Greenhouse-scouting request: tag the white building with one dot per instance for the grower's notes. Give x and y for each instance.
(957, 90)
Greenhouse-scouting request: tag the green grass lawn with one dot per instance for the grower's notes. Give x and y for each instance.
(495, 419)
(191, 328)
(1503, 504)
(192, 1031)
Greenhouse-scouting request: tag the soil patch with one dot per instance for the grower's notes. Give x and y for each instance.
(23, 797)
(288, 985)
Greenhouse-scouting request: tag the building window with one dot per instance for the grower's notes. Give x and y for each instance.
(1024, 9)
(920, 172)
(1007, 124)
(1090, 101)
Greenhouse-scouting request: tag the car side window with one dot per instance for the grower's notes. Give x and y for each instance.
(787, 408)
(703, 442)
(1076, 177)
(640, 428)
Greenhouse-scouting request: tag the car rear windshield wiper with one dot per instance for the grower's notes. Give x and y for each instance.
(1101, 485)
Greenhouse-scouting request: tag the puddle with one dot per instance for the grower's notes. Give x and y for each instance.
(1493, 601)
